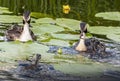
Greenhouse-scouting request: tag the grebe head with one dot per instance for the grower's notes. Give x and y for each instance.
(26, 17)
(38, 57)
(83, 27)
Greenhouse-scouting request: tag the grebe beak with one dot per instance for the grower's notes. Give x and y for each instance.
(81, 35)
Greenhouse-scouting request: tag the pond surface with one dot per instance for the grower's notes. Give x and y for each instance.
(53, 27)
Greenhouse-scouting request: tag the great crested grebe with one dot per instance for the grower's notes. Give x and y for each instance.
(89, 44)
(20, 33)
(81, 44)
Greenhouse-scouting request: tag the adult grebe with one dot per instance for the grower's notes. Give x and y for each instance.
(23, 34)
(92, 45)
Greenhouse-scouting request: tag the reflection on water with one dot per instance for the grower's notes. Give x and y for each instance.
(80, 9)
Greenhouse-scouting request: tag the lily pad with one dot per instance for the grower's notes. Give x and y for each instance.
(45, 20)
(44, 37)
(100, 30)
(46, 28)
(68, 23)
(109, 15)
(110, 32)
(4, 10)
(84, 70)
(66, 36)
(114, 37)
(11, 51)
(57, 42)
(10, 19)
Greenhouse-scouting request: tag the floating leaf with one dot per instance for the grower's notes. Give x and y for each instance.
(10, 19)
(114, 37)
(4, 10)
(44, 37)
(110, 32)
(99, 30)
(109, 15)
(104, 30)
(46, 28)
(90, 70)
(68, 23)
(66, 36)
(57, 42)
(45, 20)
(11, 51)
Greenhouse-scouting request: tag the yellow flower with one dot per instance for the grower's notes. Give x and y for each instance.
(59, 51)
(66, 9)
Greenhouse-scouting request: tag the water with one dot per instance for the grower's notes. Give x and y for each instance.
(51, 33)
(84, 10)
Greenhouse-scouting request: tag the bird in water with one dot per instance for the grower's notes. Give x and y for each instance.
(92, 45)
(21, 33)
(81, 44)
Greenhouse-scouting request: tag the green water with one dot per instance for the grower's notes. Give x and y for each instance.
(84, 10)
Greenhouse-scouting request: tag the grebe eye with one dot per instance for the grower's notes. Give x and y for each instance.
(28, 22)
(23, 22)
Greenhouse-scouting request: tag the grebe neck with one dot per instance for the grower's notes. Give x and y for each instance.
(81, 45)
(25, 36)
